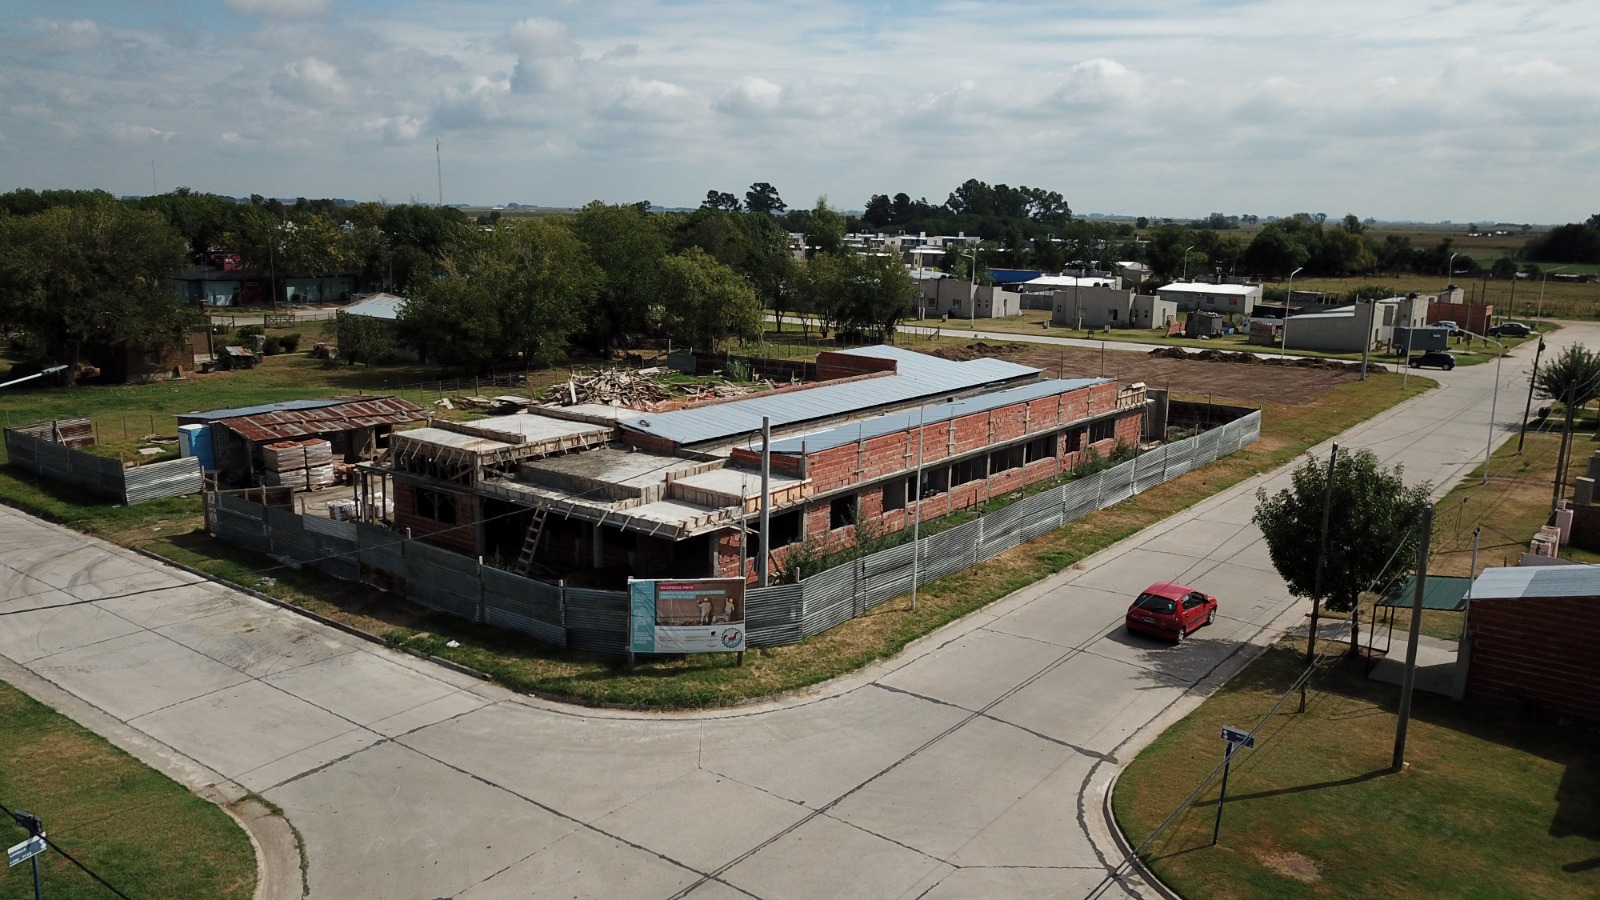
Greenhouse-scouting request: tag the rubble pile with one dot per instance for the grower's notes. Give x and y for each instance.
(608, 387)
(1297, 362)
(979, 350)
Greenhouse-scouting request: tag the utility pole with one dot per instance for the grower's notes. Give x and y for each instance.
(1410, 680)
(765, 545)
(1522, 434)
(1316, 578)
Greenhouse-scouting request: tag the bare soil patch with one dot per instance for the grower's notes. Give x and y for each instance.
(1216, 376)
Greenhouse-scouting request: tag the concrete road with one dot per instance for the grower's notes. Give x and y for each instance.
(972, 765)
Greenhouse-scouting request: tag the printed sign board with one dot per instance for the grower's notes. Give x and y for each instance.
(1237, 736)
(26, 850)
(703, 615)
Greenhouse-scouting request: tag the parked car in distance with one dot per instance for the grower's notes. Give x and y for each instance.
(1454, 329)
(1170, 610)
(1434, 359)
(1510, 329)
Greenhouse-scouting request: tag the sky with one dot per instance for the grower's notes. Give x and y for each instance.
(1397, 110)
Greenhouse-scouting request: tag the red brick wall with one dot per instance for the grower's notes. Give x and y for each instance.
(461, 537)
(832, 364)
(1536, 654)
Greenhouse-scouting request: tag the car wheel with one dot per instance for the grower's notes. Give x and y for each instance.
(1211, 616)
(1449, 367)
(1183, 632)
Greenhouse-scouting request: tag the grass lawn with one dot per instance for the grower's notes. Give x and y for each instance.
(136, 828)
(1490, 807)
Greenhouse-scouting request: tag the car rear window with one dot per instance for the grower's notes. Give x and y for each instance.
(1164, 605)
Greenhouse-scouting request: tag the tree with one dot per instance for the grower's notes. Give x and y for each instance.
(1573, 378)
(71, 276)
(363, 339)
(518, 292)
(763, 198)
(704, 302)
(1372, 531)
(722, 200)
(824, 229)
(627, 246)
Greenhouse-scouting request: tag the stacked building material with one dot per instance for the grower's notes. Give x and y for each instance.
(302, 465)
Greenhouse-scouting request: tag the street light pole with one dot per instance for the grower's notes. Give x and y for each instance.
(972, 293)
(1539, 313)
(1186, 261)
(1494, 400)
(1283, 346)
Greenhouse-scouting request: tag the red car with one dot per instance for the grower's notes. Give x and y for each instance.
(1171, 610)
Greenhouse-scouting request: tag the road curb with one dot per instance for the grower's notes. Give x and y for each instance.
(1126, 849)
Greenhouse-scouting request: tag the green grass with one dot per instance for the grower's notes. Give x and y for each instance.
(136, 828)
(1491, 806)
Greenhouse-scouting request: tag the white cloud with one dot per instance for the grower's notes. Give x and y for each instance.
(124, 133)
(287, 9)
(73, 36)
(312, 81)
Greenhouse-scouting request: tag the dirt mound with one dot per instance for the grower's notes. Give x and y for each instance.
(979, 350)
(1297, 362)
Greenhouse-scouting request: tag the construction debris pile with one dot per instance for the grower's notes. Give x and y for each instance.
(979, 350)
(638, 389)
(1297, 362)
(301, 465)
(498, 406)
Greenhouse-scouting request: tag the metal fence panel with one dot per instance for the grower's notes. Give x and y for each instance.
(522, 604)
(1116, 484)
(173, 478)
(339, 557)
(1149, 470)
(381, 553)
(1205, 448)
(773, 615)
(443, 580)
(288, 536)
(1042, 515)
(597, 621)
(1180, 459)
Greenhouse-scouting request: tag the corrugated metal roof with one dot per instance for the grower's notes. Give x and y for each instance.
(338, 414)
(917, 376)
(220, 414)
(1442, 592)
(1195, 287)
(1520, 582)
(377, 306)
(935, 412)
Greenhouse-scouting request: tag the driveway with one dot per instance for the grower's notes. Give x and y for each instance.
(972, 765)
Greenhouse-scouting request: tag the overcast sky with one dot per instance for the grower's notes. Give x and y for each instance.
(1395, 109)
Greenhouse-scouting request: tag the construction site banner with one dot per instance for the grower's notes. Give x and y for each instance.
(686, 616)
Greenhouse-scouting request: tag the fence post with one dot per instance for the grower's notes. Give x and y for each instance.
(481, 590)
(979, 542)
(561, 601)
(855, 589)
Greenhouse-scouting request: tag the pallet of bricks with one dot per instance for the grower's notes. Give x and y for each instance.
(301, 465)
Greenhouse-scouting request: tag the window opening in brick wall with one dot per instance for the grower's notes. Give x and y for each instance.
(436, 505)
(842, 512)
(967, 470)
(1075, 440)
(1041, 448)
(1005, 458)
(934, 482)
(894, 493)
(787, 528)
(1103, 430)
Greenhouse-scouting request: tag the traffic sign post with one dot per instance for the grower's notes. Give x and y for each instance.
(29, 849)
(1235, 739)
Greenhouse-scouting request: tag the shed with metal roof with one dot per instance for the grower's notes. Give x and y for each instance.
(357, 427)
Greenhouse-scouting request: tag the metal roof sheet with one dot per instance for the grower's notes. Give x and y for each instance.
(936, 412)
(917, 376)
(1523, 582)
(1196, 287)
(377, 306)
(339, 414)
(220, 414)
(1442, 592)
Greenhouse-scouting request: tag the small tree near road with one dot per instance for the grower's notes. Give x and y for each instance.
(1573, 378)
(1372, 530)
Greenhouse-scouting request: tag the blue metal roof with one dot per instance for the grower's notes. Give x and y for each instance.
(935, 412)
(217, 415)
(918, 376)
(1012, 276)
(1520, 582)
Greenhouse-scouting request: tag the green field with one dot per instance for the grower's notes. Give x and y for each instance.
(1491, 806)
(137, 829)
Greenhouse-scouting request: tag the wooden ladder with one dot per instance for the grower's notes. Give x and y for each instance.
(530, 543)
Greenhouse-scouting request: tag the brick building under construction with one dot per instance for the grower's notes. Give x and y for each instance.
(600, 493)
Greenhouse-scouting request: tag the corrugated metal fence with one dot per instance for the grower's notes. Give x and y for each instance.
(786, 614)
(102, 476)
